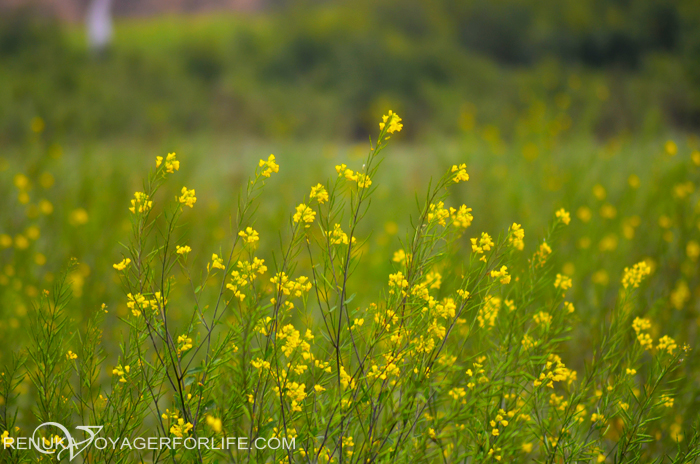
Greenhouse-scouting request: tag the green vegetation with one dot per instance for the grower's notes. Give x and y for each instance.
(578, 137)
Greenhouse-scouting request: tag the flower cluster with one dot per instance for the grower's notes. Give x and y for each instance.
(171, 164)
(394, 122)
(269, 166)
(140, 203)
(187, 198)
(633, 277)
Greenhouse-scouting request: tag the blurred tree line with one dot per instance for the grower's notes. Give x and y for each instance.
(327, 68)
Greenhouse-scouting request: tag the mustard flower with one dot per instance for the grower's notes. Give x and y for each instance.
(666, 343)
(542, 254)
(484, 243)
(459, 173)
(217, 262)
(502, 274)
(140, 203)
(269, 165)
(563, 216)
(304, 214)
(563, 282)
(542, 318)
(249, 235)
(70, 356)
(182, 250)
(181, 428)
(319, 193)
(461, 217)
(394, 122)
(516, 236)
(214, 423)
(171, 164)
(633, 277)
(671, 148)
(666, 400)
(184, 344)
(121, 372)
(187, 198)
(120, 266)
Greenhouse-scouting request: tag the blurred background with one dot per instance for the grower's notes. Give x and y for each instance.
(591, 105)
(325, 69)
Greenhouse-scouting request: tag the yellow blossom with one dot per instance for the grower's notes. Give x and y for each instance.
(633, 277)
(216, 262)
(181, 429)
(187, 198)
(563, 282)
(394, 122)
(484, 243)
(249, 235)
(120, 266)
(304, 214)
(502, 274)
(269, 165)
(319, 193)
(563, 216)
(140, 203)
(214, 423)
(516, 236)
(171, 164)
(459, 173)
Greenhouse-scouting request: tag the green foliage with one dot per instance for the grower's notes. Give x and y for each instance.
(325, 70)
(436, 339)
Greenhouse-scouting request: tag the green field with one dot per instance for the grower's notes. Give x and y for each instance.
(556, 138)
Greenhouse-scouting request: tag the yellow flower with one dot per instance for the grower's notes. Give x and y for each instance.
(270, 166)
(459, 173)
(666, 400)
(484, 243)
(633, 277)
(516, 236)
(542, 318)
(461, 217)
(71, 356)
(171, 164)
(121, 372)
(502, 274)
(216, 262)
(184, 343)
(181, 428)
(304, 214)
(120, 266)
(666, 343)
(214, 423)
(394, 122)
(249, 235)
(363, 180)
(140, 203)
(182, 250)
(319, 193)
(5, 241)
(671, 148)
(187, 198)
(563, 282)
(563, 216)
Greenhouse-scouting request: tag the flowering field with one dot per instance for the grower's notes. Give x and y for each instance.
(475, 300)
